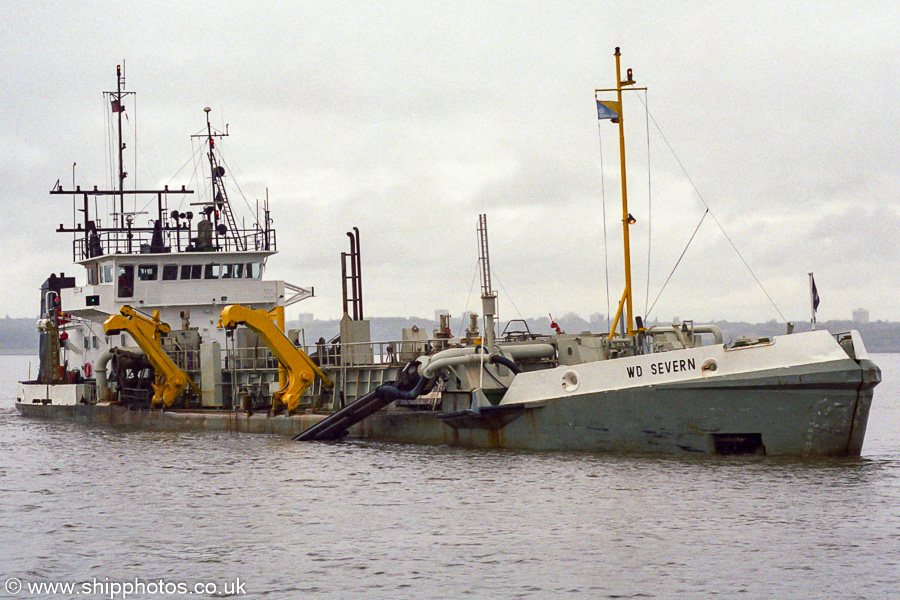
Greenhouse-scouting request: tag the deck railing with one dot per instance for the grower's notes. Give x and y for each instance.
(139, 242)
(337, 354)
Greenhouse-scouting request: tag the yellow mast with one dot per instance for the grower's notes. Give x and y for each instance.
(629, 312)
(627, 219)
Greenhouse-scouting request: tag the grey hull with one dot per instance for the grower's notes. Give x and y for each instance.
(820, 410)
(815, 410)
(649, 421)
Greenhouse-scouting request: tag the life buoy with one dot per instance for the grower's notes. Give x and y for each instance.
(87, 369)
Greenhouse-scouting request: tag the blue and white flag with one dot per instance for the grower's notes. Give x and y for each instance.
(608, 109)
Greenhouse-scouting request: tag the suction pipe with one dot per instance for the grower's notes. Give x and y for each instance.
(431, 366)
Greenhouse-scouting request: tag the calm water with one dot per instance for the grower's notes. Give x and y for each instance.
(360, 520)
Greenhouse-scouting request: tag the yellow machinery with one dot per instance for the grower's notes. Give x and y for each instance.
(147, 333)
(299, 367)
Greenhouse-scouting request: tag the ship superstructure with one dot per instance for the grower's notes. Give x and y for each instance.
(183, 259)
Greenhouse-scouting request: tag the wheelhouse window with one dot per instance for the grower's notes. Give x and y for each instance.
(93, 275)
(126, 281)
(147, 272)
(170, 272)
(191, 271)
(228, 271)
(107, 274)
(254, 270)
(212, 271)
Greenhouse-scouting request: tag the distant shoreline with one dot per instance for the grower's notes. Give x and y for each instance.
(18, 336)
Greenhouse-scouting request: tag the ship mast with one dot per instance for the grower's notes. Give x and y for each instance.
(613, 111)
(119, 108)
(93, 239)
(488, 295)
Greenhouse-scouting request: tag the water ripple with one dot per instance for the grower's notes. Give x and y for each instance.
(370, 520)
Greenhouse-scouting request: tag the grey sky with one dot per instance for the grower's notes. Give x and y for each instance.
(409, 119)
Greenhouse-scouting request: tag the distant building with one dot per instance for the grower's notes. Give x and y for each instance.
(860, 315)
(306, 318)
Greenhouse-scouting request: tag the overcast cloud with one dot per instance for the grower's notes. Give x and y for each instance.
(409, 119)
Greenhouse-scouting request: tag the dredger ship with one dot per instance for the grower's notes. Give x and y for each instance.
(176, 328)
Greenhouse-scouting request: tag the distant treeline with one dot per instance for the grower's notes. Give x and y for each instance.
(20, 335)
(879, 336)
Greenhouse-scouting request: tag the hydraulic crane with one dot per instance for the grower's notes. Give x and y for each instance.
(147, 333)
(301, 371)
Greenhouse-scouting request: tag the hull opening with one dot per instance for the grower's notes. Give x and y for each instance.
(735, 444)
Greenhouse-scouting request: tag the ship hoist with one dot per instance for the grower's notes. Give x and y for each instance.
(147, 332)
(300, 370)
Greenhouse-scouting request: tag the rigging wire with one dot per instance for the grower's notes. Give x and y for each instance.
(107, 139)
(112, 182)
(649, 203)
(462, 317)
(134, 171)
(236, 185)
(105, 145)
(603, 204)
(511, 301)
(711, 214)
(195, 178)
(677, 262)
(181, 168)
(190, 158)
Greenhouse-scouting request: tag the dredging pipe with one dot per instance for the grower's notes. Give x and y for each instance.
(460, 356)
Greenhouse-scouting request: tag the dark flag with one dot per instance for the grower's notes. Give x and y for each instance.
(814, 299)
(815, 294)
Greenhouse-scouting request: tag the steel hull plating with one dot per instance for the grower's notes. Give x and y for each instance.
(171, 420)
(796, 395)
(801, 422)
(814, 403)
(798, 422)
(771, 419)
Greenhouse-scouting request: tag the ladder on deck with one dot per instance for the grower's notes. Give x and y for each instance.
(484, 258)
(220, 198)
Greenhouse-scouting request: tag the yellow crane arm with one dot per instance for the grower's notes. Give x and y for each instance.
(147, 333)
(301, 370)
